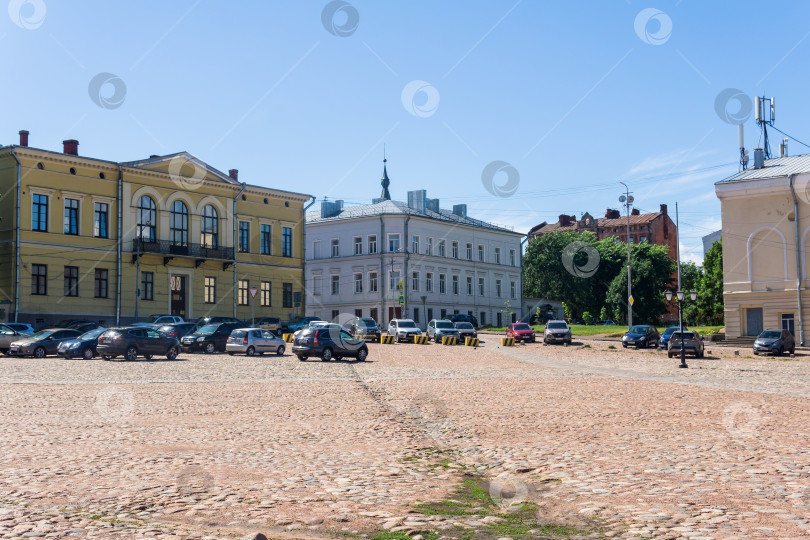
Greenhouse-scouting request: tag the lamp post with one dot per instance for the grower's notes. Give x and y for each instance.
(680, 295)
(627, 200)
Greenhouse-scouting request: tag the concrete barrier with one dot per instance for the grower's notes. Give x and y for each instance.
(387, 340)
(471, 342)
(507, 341)
(420, 340)
(449, 340)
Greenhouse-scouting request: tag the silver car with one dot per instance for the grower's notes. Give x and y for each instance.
(251, 341)
(403, 329)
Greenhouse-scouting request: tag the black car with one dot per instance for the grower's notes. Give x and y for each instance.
(364, 328)
(203, 321)
(209, 338)
(42, 343)
(641, 336)
(327, 343)
(176, 330)
(774, 342)
(84, 345)
(459, 317)
(131, 342)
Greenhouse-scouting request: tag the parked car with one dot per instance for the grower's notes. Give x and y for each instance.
(460, 317)
(326, 343)
(268, 323)
(364, 328)
(133, 341)
(774, 342)
(437, 329)
(663, 342)
(315, 324)
(403, 329)
(21, 328)
(42, 343)
(520, 331)
(252, 341)
(607, 323)
(465, 330)
(292, 326)
(202, 321)
(160, 320)
(692, 344)
(209, 338)
(72, 323)
(176, 330)
(641, 336)
(85, 345)
(7, 336)
(557, 332)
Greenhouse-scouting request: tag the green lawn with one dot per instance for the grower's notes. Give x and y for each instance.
(611, 331)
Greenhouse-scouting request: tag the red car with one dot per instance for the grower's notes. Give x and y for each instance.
(521, 331)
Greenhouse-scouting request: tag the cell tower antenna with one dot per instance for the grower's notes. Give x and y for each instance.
(765, 109)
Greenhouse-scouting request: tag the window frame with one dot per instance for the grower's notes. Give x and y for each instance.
(180, 231)
(101, 220)
(209, 227)
(266, 293)
(39, 279)
(266, 239)
(243, 244)
(71, 281)
(150, 212)
(71, 222)
(101, 279)
(243, 295)
(210, 289)
(147, 285)
(39, 212)
(372, 244)
(286, 242)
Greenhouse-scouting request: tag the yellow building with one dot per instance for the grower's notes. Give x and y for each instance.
(766, 220)
(101, 240)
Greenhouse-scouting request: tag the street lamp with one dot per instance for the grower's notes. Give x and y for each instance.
(627, 200)
(680, 295)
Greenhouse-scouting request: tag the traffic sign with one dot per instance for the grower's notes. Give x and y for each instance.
(400, 285)
(401, 299)
(253, 291)
(630, 299)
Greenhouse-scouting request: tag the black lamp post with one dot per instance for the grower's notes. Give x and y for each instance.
(680, 296)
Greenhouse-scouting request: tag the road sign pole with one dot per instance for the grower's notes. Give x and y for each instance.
(253, 291)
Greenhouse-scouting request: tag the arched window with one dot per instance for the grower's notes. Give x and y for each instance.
(179, 224)
(147, 219)
(210, 227)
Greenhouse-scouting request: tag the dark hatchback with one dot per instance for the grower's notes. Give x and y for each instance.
(133, 342)
(641, 336)
(85, 345)
(327, 343)
(364, 328)
(774, 342)
(176, 330)
(209, 338)
(42, 343)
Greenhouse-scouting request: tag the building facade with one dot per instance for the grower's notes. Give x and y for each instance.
(89, 238)
(766, 220)
(415, 260)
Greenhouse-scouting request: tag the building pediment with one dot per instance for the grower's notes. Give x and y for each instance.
(183, 165)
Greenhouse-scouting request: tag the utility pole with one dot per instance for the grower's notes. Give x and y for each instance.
(627, 199)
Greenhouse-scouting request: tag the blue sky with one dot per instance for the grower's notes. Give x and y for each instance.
(575, 96)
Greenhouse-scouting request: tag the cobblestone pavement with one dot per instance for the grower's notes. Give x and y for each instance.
(618, 442)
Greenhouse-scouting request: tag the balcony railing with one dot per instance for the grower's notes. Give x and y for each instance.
(198, 251)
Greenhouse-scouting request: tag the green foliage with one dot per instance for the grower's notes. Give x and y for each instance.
(603, 314)
(710, 287)
(587, 317)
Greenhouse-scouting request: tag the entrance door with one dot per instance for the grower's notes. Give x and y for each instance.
(788, 323)
(753, 321)
(179, 296)
(394, 313)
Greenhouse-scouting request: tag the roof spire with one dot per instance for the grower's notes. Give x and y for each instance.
(385, 182)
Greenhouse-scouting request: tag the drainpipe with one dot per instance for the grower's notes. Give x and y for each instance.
(120, 241)
(381, 284)
(235, 250)
(405, 314)
(522, 272)
(17, 243)
(798, 260)
(304, 264)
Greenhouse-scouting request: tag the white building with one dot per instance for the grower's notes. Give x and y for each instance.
(390, 259)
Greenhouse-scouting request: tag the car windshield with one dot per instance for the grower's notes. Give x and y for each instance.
(42, 334)
(207, 330)
(686, 335)
(407, 324)
(368, 323)
(770, 334)
(93, 334)
(154, 318)
(444, 324)
(638, 330)
(238, 333)
(464, 325)
(559, 325)
(522, 327)
(671, 330)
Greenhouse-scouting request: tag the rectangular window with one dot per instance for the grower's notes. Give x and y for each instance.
(444, 313)
(316, 286)
(455, 250)
(481, 286)
(481, 253)
(71, 281)
(429, 247)
(469, 252)
(394, 285)
(393, 243)
(372, 244)
(483, 321)
(374, 314)
(416, 314)
(455, 284)
(442, 283)
(497, 255)
(243, 297)
(286, 243)
(335, 247)
(430, 314)
(498, 288)
(415, 244)
(101, 283)
(335, 284)
(244, 237)
(372, 282)
(335, 314)
(72, 216)
(39, 215)
(441, 248)
(499, 319)
(266, 239)
(358, 312)
(642, 239)
(469, 285)
(512, 258)
(210, 290)
(358, 245)
(266, 298)
(147, 285)
(513, 289)
(39, 279)
(429, 282)
(287, 295)
(415, 281)
(100, 220)
(358, 283)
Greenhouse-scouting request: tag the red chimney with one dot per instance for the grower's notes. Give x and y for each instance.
(664, 209)
(71, 146)
(23, 137)
(565, 220)
(234, 173)
(635, 212)
(612, 214)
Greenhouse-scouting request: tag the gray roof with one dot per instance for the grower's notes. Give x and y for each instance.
(401, 208)
(774, 168)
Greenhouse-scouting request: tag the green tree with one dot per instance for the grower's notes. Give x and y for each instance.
(652, 275)
(691, 276)
(710, 286)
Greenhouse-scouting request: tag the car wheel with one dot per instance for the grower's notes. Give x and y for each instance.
(362, 354)
(171, 354)
(302, 357)
(88, 354)
(250, 351)
(700, 354)
(39, 352)
(326, 355)
(624, 345)
(280, 350)
(756, 353)
(131, 354)
(793, 350)
(669, 354)
(209, 348)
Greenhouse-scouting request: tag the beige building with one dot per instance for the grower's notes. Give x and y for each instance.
(766, 220)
